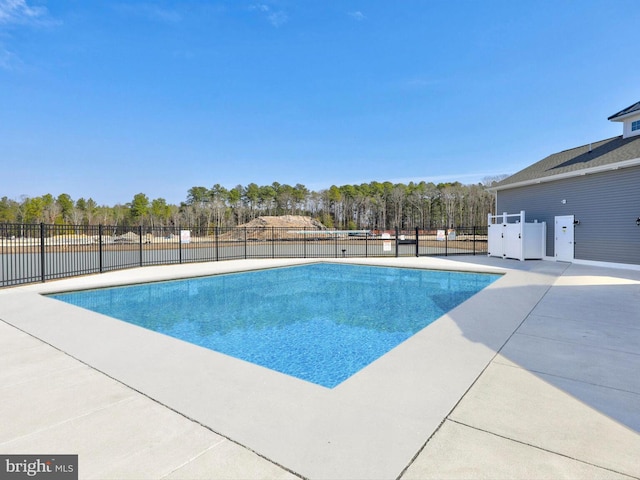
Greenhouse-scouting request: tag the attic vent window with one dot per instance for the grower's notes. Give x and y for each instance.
(635, 125)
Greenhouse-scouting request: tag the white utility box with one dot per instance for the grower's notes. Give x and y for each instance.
(509, 236)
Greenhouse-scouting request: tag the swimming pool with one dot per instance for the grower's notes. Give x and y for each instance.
(320, 322)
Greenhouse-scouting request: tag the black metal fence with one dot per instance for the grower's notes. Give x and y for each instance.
(39, 252)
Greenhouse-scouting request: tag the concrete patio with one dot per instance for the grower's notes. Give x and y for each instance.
(534, 377)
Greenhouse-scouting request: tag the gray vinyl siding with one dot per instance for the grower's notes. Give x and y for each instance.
(606, 204)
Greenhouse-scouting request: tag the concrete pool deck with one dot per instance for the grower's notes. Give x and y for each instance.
(534, 377)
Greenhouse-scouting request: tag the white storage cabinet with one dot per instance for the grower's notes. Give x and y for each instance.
(509, 236)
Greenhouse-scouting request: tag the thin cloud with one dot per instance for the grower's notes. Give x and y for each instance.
(463, 178)
(259, 7)
(357, 15)
(418, 83)
(276, 18)
(20, 13)
(150, 11)
(8, 60)
(163, 15)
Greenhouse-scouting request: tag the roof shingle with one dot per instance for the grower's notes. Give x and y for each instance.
(604, 152)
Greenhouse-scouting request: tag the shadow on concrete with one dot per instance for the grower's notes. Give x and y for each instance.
(582, 336)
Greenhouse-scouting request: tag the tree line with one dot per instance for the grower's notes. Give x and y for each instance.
(374, 205)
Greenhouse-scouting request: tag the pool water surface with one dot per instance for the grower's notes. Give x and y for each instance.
(321, 322)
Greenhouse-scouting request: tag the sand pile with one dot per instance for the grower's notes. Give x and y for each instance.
(285, 227)
(288, 221)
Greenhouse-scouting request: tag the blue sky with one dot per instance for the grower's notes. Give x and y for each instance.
(106, 99)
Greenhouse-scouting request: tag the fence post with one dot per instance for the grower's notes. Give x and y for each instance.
(474, 240)
(397, 233)
(245, 243)
(417, 242)
(100, 265)
(215, 241)
(366, 244)
(304, 242)
(42, 254)
(446, 242)
(179, 244)
(140, 242)
(273, 243)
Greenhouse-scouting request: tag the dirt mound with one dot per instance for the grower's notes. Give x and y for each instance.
(285, 227)
(286, 221)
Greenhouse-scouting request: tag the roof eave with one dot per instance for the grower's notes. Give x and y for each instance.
(626, 112)
(574, 173)
(623, 117)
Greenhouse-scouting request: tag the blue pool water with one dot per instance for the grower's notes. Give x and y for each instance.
(321, 322)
